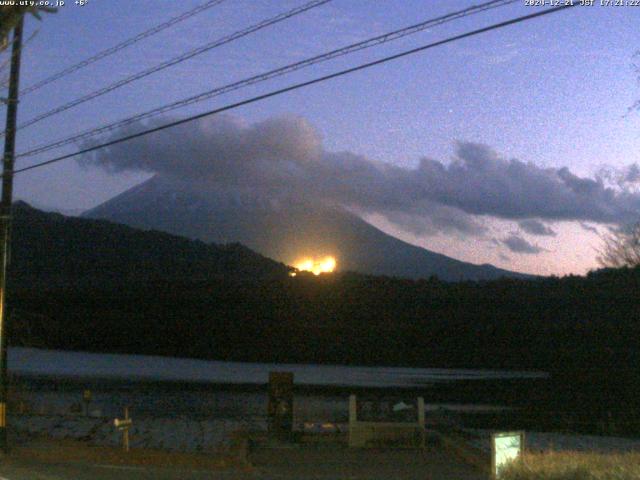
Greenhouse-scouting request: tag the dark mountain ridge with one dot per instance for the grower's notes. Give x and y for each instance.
(281, 228)
(52, 249)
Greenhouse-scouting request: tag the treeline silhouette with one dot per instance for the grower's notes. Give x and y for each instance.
(544, 324)
(49, 249)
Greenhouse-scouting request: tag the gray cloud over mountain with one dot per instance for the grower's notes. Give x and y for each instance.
(589, 228)
(534, 227)
(622, 177)
(284, 157)
(517, 244)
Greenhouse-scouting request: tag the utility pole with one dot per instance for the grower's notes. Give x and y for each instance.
(5, 219)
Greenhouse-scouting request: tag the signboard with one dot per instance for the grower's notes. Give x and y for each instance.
(124, 425)
(280, 407)
(396, 410)
(86, 395)
(386, 422)
(506, 447)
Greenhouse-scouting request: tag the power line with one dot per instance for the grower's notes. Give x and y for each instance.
(121, 46)
(176, 60)
(300, 85)
(378, 40)
(5, 83)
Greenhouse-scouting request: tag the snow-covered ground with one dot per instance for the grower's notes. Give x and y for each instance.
(177, 434)
(187, 419)
(155, 399)
(31, 361)
(193, 435)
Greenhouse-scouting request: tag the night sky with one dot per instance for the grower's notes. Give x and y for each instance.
(514, 147)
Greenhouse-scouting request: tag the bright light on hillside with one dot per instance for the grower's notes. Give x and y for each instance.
(316, 266)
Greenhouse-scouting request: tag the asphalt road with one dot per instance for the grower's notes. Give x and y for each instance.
(270, 464)
(109, 472)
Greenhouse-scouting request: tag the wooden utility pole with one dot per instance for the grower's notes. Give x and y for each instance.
(124, 425)
(5, 219)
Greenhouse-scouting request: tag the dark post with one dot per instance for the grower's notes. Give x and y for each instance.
(5, 219)
(86, 397)
(280, 406)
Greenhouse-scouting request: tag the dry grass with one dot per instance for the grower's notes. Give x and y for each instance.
(575, 466)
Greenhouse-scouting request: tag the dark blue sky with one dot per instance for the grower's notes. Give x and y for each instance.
(552, 93)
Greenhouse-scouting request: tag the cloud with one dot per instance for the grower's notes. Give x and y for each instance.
(219, 147)
(534, 227)
(479, 181)
(283, 160)
(518, 244)
(589, 228)
(440, 219)
(624, 178)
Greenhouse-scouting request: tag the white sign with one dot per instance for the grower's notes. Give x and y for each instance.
(506, 447)
(122, 424)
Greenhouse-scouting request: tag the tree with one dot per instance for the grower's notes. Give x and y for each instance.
(621, 248)
(10, 15)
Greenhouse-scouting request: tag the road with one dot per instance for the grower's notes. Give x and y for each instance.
(34, 471)
(304, 463)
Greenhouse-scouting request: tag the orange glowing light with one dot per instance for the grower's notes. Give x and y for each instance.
(316, 266)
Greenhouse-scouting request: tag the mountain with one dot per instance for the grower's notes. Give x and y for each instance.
(281, 228)
(67, 212)
(51, 249)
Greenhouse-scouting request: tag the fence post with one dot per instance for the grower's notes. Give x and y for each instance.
(353, 418)
(421, 421)
(125, 432)
(280, 407)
